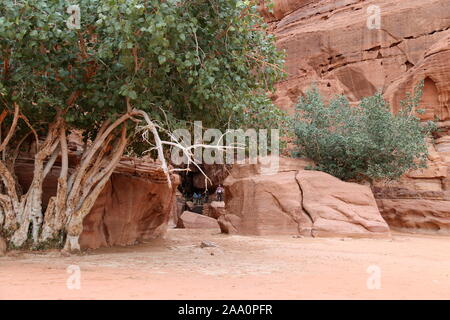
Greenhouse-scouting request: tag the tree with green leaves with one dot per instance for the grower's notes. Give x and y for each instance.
(131, 65)
(364, 142)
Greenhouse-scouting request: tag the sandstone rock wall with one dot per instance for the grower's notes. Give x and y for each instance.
(329, 43)
(134, 206)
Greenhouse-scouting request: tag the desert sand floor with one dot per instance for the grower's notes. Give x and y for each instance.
(240, 267)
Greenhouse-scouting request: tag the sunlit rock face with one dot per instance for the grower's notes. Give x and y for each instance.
(294, 201)
(134, 206)
(335, 45)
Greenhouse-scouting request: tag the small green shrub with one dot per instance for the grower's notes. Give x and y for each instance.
(365, 142)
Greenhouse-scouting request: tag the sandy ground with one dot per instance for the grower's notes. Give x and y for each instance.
(405, 267)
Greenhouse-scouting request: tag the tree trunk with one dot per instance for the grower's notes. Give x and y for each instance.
(54, 215)
(9, 199)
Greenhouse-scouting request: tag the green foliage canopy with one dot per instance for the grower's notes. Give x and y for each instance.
(209, 60)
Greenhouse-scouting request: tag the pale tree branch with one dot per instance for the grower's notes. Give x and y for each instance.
(86, 161)
(52, 160)
(187, 150)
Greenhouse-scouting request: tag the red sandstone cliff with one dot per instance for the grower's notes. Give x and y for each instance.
(329, 43)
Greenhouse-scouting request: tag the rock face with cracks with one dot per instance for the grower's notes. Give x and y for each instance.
(192, 220)
(335, 45)
(294, 201)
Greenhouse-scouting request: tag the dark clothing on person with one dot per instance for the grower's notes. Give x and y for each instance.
(196, 197)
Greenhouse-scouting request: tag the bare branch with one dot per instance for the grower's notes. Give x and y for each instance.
(12, 128)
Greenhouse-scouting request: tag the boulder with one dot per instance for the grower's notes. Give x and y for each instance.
(265, 205)
(215, 209)
(294, 201)
(340, 208)
(193, 220)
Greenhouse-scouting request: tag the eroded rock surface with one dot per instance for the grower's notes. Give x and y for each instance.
(420, 215)
(192, 220)
(340, 208)
(296, 201)
(329, 43)
(129, 210)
